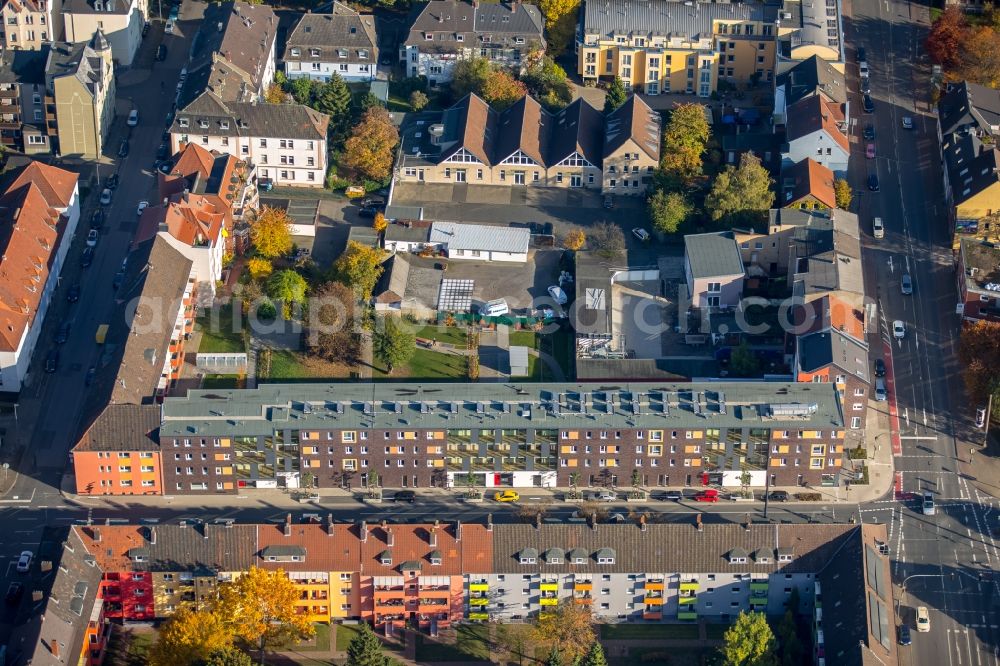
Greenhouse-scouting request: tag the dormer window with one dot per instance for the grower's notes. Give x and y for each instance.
(183, 122)
(341, 53)
(429, 36)
(296, 52)
(224, 124)
(313, 53)
(528, 556)
(606, 556)
(435, 558)
(354, 30)
(385, 558)
(737, 560)
(203, 124)
(519, 40)
(459, 38)
(363, 54)
(785, 557)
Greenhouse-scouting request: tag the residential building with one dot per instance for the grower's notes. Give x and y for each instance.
(475, 242)
(713, 270)
(674, 434)
(825, 259)
(31, 24)
(968, 127)
(118, 453)
(817, 129)
(286, 142)
(771, 251)
(342, 42)
(978, 280)
(22, 89)
(527, 145)
(120, 21)
(656, 47)
(447, 31)
(765, 147)
(80, 97)
(39, 212)
(810, 78)
(807, 185)
(67, 619)
(434, 574)
(807, 29)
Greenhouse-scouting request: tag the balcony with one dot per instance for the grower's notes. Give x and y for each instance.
(390, 603)
(549, 587)
(654, 599)
(480, 616)
(756, 602)
(687, 615)
(479, 587)
(687, 601)
(652, 615)
(583, 599)
(759, 587)
(690, 587)
(653, 585)
(479, 601)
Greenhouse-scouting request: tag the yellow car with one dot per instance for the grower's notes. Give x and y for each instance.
(506, 496)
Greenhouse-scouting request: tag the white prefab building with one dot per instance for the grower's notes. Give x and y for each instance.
(43, 205)
(342, 42)
(474, 242)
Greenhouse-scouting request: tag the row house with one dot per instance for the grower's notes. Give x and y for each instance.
(341, 42)
(121, 22)
(79, 102)
(118, 453)
(525, 145)
(30, 25)
(22, 89)
(448, 31)
(657, 48)
(450, 573)
(493, 436)
(39, 212)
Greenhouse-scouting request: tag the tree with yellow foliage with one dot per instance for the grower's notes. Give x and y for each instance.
(271, 232)
(560, 23)
(379, 224)
(359, 267)
(568, 628)
(259, 267)
(575, 240)
(259, 609)
(372, 146)
(189, 637)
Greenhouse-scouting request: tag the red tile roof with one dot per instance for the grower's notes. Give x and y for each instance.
(412, 543)
(324, 552)
(56, 184)
(109, 544)
(190, 218)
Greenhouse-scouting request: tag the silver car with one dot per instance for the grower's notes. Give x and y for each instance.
(906, 286)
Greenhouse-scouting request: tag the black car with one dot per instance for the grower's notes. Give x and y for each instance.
(879, 368)
(14, 593)
(163, 152)
(112, 181)
(62, 335)
(373, 202)
(873, 182)
(145, 28)
(405, 496)
(97, 219)
(119, 278)
(73, 295)
(368, 212)
(165, 166)
(862, 54)
(778, 496)
(87, 258)
(673, 496)
(869, 133)
(866, 85)
(52, 361)
(88, 378)
(867, 105)
(123, 149)
(161, 52)
(904, 635)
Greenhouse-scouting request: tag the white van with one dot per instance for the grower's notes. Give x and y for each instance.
(495, 308)
(169, 28)
(877, 228)
(880, 392)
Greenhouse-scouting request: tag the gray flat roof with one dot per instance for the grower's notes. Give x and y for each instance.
(511, 405)
(713, 254)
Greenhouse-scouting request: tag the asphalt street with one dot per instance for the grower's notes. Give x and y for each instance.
(938, 558)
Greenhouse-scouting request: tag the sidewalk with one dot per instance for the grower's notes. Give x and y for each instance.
(980, 465)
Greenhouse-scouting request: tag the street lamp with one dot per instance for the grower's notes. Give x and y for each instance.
(902, 591)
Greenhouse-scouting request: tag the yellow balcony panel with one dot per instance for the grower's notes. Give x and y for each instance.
(690, 587)
(479, 601)
(549, 587)
(549, 602)
(479, 587)
(684, 601)
(479, 616)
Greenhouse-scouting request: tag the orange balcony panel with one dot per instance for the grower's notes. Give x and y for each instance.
(654, 586)
(583, 600)
(652, 615)
(583, 587)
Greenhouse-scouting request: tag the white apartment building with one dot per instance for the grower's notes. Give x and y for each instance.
(121, 21)
(30, 24)
(342, 42)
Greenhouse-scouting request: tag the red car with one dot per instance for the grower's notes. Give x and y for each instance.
(707, 496)
(870, 151)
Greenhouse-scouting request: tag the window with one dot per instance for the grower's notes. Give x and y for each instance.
(714, 287)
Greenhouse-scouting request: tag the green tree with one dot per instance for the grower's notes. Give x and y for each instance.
(334, 99)
(595, 656)
(791, 648)
(749, 642)
(741, 194)
(554, 658)
(359, 267)
(288, 287)
(685, 139)
(301, 89)
(365, 649)
(617, 95)
(668, 210)
(332, 332)
(469, 76)
(548, 83)
(743, 362)
(228, 657)
(418, 100)
(842, 193)
(393, 344)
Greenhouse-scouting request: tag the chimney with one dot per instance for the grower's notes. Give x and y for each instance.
(288, 525)
(697, 522)
(538, 520)
(514, 6)
(204, 530)
(97, 534)
(54, 647)
(642, 522)
(746, 525)
(152, 534)
(433, 540)
(458, 530)
(364, 531)
(593, 520)
(390, 539)
(166, 200)
(329, 524)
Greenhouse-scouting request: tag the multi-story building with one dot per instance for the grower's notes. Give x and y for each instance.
(447, 31)
(807, 29)
(22, 88)
(118, 454)
(713, 270)
(497, 436)
(659, 46)
(817, 128)
(433, 575)
(526, 145)
(342, 42)
(32, 24)
(978, 280)
(810, 78)
(80, 97)
(807, 185)
(39, 211)
(121, 22)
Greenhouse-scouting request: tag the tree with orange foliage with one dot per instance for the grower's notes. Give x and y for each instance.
(502, 90)
(979, 354)
(944, 42)
(379, 224)
(189, 637)
(574, 240)
(371, 147)
(980, 57)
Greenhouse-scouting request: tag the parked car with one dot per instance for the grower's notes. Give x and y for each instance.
(88, 378)
(161, 53)
(133, 118)
(881, 392)
(873, 182)
(604, 496)
(923, 620)
(143, 205)
(52, 361)
(112, 181)
(97, 219)
(368, 212)
(980, 417)
(145, 28)
(373, 202)
(506, 496)
(870, 151)
(879, 368)
(14, 594)
(862, 54)
(92, 237)
(105, 196)
(62, 335)
(87, 258)
(878, 229)
(558, 295)
(906, 285)
(907, 123)
(869, 132)
(927, 504)
(163, 151)
(904, 635)
(865, 85)
(609, 201)
(710, 495)
(24, 561)
(123, 149)
(777, 496)
(863, 69)
(672, 496)
(898, 329)
(404, 496)
(867, 104)
(119, 278)
(73, 295)
(641, 234)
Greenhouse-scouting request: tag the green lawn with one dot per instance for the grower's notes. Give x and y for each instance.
(219, 336)
(426, 364)
(655, 656)
(454, 335)
(320, 642)
(345, 634)
(471, 644)
(716, 632)
(221, 382)
(285, 364)
(649, 631)
(527, 339)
